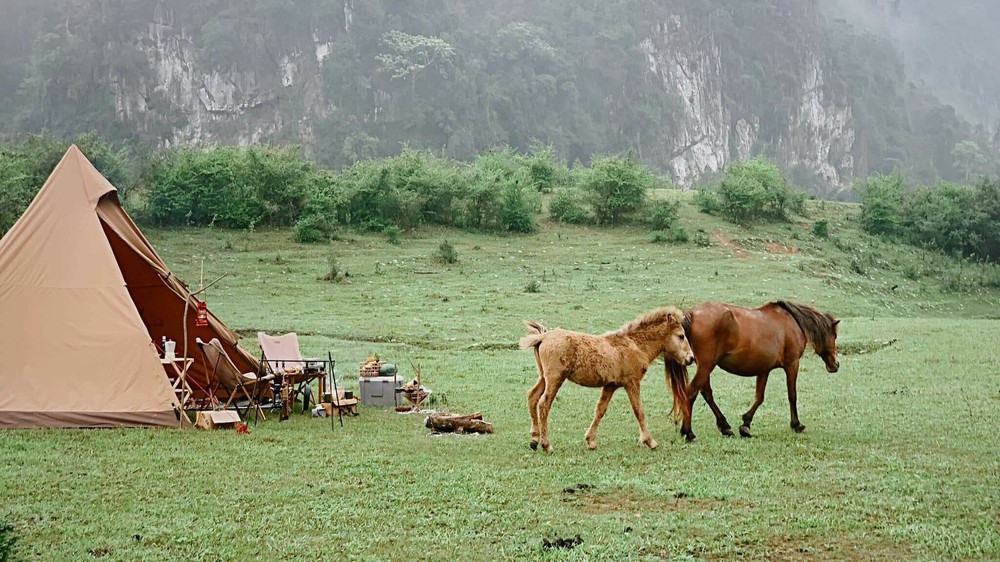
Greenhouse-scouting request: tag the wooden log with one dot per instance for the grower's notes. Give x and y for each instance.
(451, 423)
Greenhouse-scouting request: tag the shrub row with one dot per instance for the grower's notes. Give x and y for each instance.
(956, 219)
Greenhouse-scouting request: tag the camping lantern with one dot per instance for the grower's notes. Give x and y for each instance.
(201, 318)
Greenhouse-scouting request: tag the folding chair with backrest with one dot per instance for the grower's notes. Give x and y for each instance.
(231, 379)
(282, 357)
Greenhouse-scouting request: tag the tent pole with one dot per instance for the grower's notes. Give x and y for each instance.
(336, 391)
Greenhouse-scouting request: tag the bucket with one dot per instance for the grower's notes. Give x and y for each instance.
(169, 349)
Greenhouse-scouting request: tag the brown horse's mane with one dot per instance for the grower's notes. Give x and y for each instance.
(816, 325)
(653, 317)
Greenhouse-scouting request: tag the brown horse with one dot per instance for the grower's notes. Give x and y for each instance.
(750, 343)
(614, 360)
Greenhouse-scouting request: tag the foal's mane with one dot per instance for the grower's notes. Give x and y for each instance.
(815, 324)
(651, 318)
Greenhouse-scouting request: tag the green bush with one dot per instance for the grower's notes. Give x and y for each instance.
(313, 228)
(543, 170)
(517, 211)
(498, 198)
(881, 203)
(754, 190)
(392, 234)
(432, 185)
(821, 228)
(446, 253)
(707, 201)
(617, 187)
(567, 205)
(663, 215)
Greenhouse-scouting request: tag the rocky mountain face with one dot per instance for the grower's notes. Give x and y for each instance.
(688, 86)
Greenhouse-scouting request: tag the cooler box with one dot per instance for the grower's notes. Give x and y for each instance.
(379, 391)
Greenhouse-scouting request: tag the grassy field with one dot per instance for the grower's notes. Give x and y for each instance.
(900, 461)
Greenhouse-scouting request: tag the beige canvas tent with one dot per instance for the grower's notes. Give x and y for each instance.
(82, 297)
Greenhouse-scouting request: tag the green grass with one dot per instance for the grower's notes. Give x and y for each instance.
(900, 459)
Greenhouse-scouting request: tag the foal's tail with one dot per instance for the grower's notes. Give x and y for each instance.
(533, 340)
(677, 378)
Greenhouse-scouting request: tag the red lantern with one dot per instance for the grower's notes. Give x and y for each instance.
(201, 318)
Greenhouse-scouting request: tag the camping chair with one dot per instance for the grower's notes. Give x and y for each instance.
(282, 358)
(231, 379)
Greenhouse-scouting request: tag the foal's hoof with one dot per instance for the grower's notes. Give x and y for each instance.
(745, 431)
(799, 428)
(547, 448)
(533, 445)
(652, 444)
(591, 443)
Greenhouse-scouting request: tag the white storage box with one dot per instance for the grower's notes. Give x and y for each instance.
(379, 391)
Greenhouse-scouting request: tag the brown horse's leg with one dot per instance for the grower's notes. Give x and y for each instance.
(534, 394)
(551, 389)
(697, 384)
(602, 407)
(720, 419)
(635, 398)
(791, 375)
(758, 400)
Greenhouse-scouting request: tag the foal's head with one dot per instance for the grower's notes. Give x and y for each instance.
(676, 345)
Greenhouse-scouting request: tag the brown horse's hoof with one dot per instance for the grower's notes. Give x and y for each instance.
(799, 428)
(690, 437)
(727, 431)
(745, 431)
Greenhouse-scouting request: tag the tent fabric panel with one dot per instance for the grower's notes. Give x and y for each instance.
(82, 350)
(117, 220)
(23, 420)
(160, 305)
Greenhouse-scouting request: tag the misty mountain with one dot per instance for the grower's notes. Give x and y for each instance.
(831, 90)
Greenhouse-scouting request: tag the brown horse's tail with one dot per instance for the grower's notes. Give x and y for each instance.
(533, 340)
(677, 377)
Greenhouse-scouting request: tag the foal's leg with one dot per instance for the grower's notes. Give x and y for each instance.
(720, 419)
(791, 375)
(551, 389)
(534, 394)
(602, 407)
(758, 400)
(635, 399)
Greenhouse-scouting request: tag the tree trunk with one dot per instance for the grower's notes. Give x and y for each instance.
(454, 423)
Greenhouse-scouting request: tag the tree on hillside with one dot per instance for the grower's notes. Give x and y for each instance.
(409, 55)
(969, 159)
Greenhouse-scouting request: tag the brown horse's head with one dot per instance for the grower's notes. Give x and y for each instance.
(820, 331)
(827, 349)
